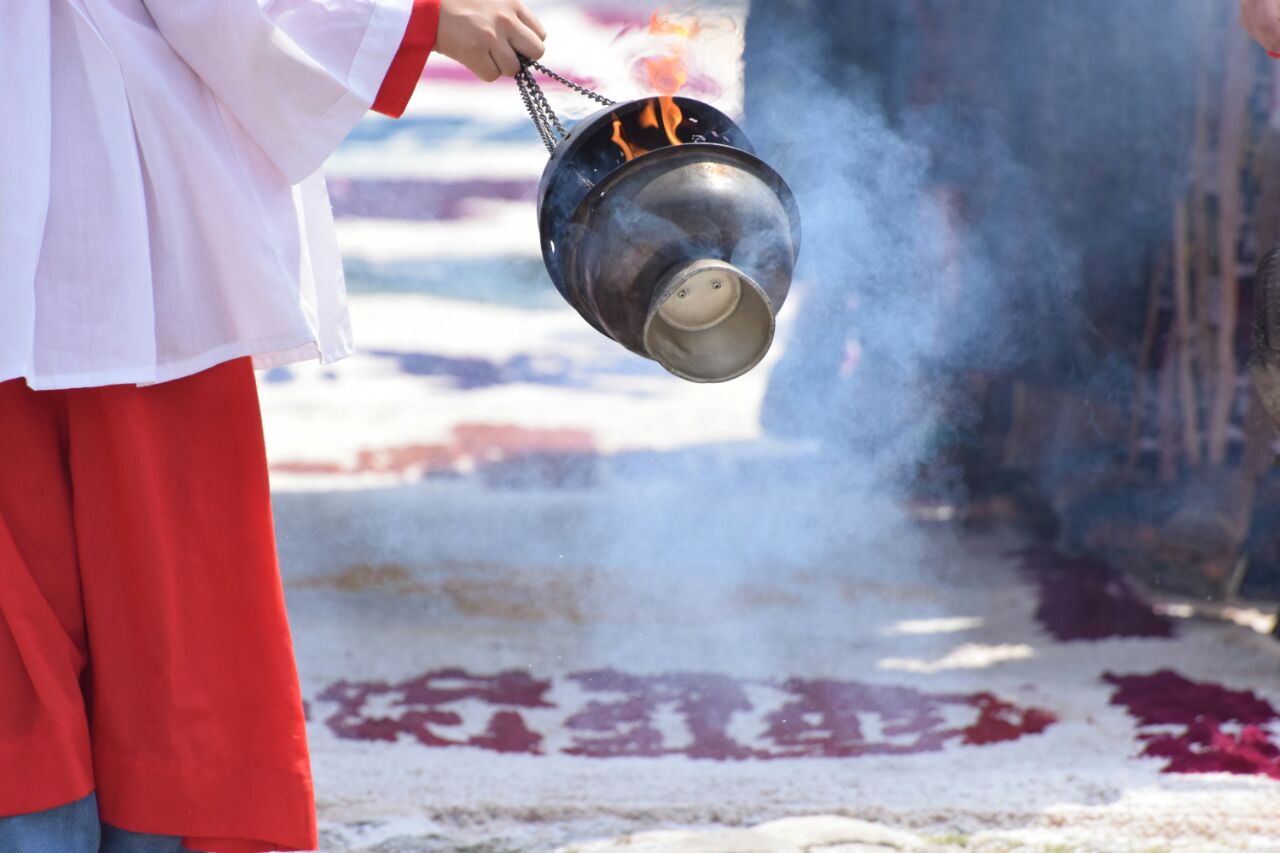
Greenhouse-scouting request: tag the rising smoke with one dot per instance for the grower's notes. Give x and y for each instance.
(948, 237)
(981, 183)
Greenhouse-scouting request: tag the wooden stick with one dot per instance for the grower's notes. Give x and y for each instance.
(1203, 290)
(1137, 414)
(1235, 93)
(1182, 324)
(1166, 392)
(1255, 460)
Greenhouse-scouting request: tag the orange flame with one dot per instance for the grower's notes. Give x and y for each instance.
(628, 151)
(659, 25)
(671, 118)
(649, 118)
(667, 74)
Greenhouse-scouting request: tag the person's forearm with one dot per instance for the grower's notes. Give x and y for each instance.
(486, 36)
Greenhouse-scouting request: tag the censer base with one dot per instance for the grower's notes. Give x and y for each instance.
(708, 322)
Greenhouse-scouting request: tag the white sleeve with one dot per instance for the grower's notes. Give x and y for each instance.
(296, 74)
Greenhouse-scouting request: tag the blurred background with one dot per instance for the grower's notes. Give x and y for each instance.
(983, 556)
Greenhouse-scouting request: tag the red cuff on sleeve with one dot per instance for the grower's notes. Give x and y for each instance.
(406, 68)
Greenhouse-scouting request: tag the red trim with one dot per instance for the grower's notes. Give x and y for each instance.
(406, 68)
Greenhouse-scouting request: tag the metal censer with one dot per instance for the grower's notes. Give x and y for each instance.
(664, 230)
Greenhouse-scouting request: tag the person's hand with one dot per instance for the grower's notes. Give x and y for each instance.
(1262, 19)
(486, 35)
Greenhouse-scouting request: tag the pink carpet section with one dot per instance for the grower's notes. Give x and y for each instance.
(1084, 599)
(1221, 730)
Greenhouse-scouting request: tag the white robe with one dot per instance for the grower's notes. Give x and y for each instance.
(161, 208)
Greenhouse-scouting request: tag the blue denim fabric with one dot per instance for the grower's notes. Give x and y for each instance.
(75, 828)
(115, 840)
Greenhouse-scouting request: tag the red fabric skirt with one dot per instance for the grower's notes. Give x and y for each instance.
(144, 647)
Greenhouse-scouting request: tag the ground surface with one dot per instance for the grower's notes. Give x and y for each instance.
(545, 595)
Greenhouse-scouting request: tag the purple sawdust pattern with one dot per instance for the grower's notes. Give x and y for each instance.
(423, 709)
(1219, 730)
(623, 725)
(417, 199)
(624, 716)
(470, 374)
(825, 719)
(1083, 599)
(502, 455)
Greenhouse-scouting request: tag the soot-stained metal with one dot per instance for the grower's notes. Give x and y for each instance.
(662, 228)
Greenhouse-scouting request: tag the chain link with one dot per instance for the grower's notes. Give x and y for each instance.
(581, 90)
(550, 128)
(540, 121)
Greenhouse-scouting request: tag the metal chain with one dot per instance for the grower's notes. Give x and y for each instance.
(550, 128)
(540, 121)
(543, 107)
(581, 90)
